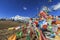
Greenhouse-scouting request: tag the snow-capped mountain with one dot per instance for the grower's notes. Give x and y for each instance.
(17, 17)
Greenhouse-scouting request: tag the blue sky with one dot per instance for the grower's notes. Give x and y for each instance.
(9, 8)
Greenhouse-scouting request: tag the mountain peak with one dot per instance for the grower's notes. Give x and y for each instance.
(17, 17)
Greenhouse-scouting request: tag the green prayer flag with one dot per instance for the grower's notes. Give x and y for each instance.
(38, 33)
(19, 34)
(28, 37)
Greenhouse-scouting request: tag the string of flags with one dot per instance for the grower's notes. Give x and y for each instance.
(45, 23)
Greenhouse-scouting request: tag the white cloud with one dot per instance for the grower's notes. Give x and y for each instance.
(56, 7)
(25, 8)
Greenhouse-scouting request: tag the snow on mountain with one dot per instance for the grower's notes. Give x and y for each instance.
(17, 17)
